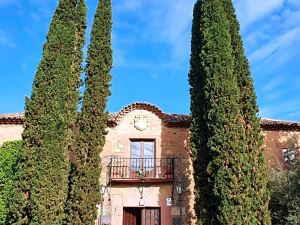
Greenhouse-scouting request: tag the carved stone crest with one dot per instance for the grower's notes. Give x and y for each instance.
(141, 122)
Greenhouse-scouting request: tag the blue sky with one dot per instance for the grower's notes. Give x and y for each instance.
(151, 42)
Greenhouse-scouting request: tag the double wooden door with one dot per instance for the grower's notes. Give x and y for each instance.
(141, 216)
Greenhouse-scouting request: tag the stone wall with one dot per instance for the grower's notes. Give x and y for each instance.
(170, 139)
(10, 132)
(169, 142)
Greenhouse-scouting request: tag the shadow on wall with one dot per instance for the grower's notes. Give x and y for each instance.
(281, 148)
(174, 144)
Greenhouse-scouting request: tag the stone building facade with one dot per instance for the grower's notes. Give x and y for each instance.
(147, 171)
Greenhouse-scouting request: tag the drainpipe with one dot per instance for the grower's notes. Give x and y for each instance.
(102, 192)
(181, 217)
(101, 212)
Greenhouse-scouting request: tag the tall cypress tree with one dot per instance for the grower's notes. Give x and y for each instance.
(92, 122)
(198, 128)
(249, 110)
(80, 19)
(50, 116)
(223, 171)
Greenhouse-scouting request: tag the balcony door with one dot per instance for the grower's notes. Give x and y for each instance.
(142, 158)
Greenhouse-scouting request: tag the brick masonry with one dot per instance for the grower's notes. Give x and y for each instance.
(169, 142)
(170, 132)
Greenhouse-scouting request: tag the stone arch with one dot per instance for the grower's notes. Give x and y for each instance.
(117, 117)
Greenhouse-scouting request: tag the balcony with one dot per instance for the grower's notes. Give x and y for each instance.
(141, 170)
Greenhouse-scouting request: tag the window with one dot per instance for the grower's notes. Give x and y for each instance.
(142, 156)
(142, 149)
(289, 155)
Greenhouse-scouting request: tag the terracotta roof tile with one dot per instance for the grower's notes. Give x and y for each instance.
(170, 120)
(12, 118)
(270, 124)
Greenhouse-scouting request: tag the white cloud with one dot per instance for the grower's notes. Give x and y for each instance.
(174, 28)
(6, 41)
(129, 5)
(294, 2)
(273, 84)
(165, 22)
(294, 114)
(42, 9)
(253, 38)
(279, 47)
(276, 110)
(290, 17)
(176, 19)
(250, 11)
(273, 95)
(24, 65)
(8, 2)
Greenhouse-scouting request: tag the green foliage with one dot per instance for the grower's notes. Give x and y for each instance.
(229, 170)
(50, 116)
(9, 154)
(285, 196)
(198, 128)
(248, 105)
(92, 122)
(80, 19)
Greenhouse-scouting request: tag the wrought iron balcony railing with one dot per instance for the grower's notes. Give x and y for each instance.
(141, 169)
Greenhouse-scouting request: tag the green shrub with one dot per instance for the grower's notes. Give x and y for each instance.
(9, 154)
(285, 196)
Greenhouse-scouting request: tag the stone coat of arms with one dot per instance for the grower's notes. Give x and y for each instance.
(141, 122)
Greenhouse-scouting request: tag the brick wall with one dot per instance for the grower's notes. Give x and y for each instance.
(274, 142)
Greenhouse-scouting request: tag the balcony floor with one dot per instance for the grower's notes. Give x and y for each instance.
(141, 180)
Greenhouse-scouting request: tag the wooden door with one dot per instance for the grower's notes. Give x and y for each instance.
(151, 216)
(141, 216)
(132, 216)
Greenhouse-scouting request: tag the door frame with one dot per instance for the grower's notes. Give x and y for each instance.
(142, 214)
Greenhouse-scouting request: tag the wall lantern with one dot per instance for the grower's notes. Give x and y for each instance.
(103, 189)
(179, 189)
(141, 191)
